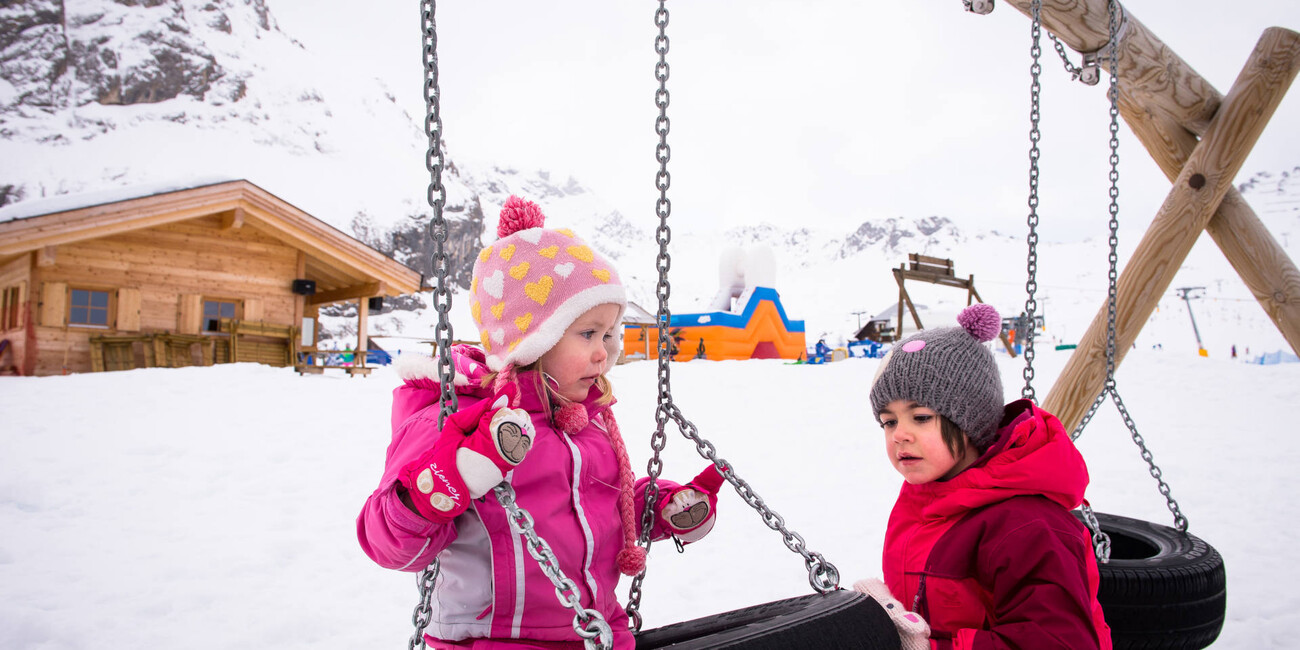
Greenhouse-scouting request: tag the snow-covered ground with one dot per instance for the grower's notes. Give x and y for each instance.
(214, 507)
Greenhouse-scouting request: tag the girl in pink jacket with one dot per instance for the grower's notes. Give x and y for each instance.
(534, 410)
(981, 542)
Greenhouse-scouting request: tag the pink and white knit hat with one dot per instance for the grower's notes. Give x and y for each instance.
(531, 284)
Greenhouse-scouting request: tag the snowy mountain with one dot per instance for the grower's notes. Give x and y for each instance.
(101, 94)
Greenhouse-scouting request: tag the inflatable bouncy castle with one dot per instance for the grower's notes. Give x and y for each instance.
(747, 321)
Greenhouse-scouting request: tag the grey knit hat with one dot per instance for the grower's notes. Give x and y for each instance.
(949, 370)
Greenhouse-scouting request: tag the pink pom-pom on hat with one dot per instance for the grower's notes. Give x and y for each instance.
(519, 214)
(981, 321)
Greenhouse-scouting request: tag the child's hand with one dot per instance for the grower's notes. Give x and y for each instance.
(475, 449)
(912, 629)
(498, 443)
(689, 510)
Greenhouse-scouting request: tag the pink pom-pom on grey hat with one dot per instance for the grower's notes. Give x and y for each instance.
(981, 321)
(949, 370)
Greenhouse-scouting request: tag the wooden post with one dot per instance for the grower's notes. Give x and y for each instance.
(363, 314)
(299, 302)
(1199, 188)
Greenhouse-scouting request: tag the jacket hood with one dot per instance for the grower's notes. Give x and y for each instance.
(1032, 455)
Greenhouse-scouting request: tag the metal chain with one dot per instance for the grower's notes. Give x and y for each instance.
(1031, 285)
(441, 264)
(663, 262)
(1100, 539)
(437, 197)
(588, 623)
(424, 610)
(1088, 73)
(822, 575)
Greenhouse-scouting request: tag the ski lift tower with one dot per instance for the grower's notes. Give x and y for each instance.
(1188, 294)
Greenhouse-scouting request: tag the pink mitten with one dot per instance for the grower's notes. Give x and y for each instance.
(499, 443)
(912, 629)
(689, 510)
(475, 449)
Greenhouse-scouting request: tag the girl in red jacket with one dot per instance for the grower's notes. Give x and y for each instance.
(981, 542)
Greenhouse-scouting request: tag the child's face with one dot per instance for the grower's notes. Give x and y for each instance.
(914, 443)
(580, 355)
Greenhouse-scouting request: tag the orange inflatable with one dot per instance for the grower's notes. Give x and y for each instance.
(761, 331)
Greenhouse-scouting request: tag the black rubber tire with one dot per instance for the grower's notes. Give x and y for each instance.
(1162, 589)
(840, 619)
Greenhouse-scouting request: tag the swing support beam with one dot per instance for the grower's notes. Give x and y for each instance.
(1200, 139)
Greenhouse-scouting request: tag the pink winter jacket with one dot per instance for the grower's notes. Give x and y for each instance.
(489, 585)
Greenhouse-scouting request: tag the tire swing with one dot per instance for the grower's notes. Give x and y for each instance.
(1161, 586)
(830, 618)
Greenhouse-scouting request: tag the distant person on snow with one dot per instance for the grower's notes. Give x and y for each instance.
(981, 543)
(534, 410)
(823, 350)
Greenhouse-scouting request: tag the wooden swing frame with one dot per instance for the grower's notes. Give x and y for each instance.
(935, 271)
(1200, 139)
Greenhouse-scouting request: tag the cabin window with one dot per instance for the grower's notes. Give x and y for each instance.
(215, 310)
(9, 308)
(88, 308)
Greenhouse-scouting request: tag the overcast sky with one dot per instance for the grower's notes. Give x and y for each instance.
(828, 112)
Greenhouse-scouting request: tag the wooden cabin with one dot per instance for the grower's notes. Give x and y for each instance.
(167, 277)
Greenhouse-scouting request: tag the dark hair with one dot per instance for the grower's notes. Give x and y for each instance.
(953, 436)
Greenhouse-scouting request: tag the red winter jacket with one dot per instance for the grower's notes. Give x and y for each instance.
(992, 558)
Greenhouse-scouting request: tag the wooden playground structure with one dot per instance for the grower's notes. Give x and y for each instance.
(935, 271)
(1200, 139)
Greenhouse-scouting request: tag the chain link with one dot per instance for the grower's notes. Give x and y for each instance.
(437, 197)
(1088, 73)
(433, 161)
(1031, 285)
(663, 234)
(1112, 299)
(588, 623)
(1100, 540)
(822, 575)
(424, 610)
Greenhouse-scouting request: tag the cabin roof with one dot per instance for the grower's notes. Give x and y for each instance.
(341, 265)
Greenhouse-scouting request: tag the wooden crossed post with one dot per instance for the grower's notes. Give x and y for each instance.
(1168, 105)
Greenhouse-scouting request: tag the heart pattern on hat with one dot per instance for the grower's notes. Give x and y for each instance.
(522, 322)
(531, 235)
(549, 252)
(581, 252)
(519, 270)
(495, 284)
(540, 290)
(563, 270)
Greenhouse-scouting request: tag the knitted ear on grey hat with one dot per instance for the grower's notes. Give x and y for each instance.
(951, 371)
